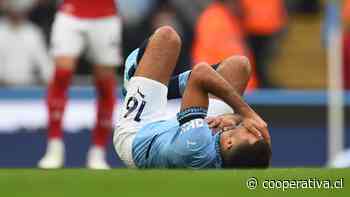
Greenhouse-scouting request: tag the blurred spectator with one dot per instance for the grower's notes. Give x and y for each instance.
(1, 7)
(187, 15)
(264, 22)
(136, 22)
(135, 11)
(165, 13)
(346, 52)
(190, 11)
(218, 34)
(304, 7)
(22, 48)
(43, 14)
(142, 17)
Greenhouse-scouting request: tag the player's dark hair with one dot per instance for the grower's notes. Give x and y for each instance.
(257, 155)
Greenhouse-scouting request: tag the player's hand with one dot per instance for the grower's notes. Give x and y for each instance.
(213, 122)
(255, 124)
(223, 121)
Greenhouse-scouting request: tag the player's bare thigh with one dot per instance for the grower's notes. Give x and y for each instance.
(161, 55)
(66, 41)
(66, 62)
(237, 71)
(104, 72)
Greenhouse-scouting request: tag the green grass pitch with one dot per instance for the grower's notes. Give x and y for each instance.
(162, 183)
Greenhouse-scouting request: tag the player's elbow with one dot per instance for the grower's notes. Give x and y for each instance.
(168, 35)
(240, 63)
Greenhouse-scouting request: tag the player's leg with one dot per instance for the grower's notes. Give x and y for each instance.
(132, 63)
(104, 40)
(57, 93)
(154, 52)
(105, 83)
(67, 45)
(161, 55)
(236, 70)
(152, 75)
(146, 97)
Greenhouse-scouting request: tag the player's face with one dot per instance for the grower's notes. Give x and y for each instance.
(234, 137)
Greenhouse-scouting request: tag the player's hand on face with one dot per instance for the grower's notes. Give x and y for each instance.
(257, 126)
(223, 121)
(256, 121)
(213, 122)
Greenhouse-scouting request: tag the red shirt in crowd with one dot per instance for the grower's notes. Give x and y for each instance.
(89, 8)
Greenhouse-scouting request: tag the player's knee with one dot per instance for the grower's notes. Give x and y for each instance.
(200, 70)
(240, 62)
(168, 35)
(65, 62)
(102, 72)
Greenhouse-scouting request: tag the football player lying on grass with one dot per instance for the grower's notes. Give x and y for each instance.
(143, 138)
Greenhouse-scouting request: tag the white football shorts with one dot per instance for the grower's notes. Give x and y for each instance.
(101, 38)
(144, 103)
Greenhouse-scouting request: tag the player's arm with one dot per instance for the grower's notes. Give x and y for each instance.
(204, 80)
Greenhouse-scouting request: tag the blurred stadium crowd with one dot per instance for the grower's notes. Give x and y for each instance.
(211, 30)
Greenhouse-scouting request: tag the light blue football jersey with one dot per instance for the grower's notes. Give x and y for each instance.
(166, 144)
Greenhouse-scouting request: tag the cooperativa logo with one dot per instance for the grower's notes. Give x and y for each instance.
(291, 184)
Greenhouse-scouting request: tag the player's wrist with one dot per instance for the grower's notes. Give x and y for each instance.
(246, 112)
